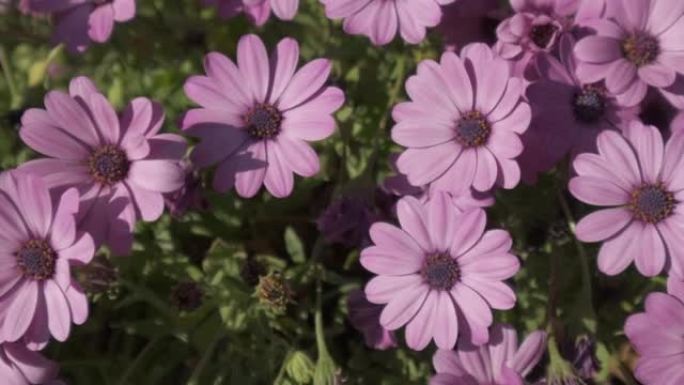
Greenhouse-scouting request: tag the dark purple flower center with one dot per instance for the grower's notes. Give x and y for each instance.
(440, 271)
(109, 165)
(651, 203)
(263, 121)
(641, 49)
(36, 260)
(589, 104)
(542, 35)
(473, 129)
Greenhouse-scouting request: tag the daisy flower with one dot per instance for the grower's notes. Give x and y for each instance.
(636, 45)
(77, 23)
(567, 114)
(658, 337)
(121, 166)
(20, 366)
(641, 182)
(38, 297)
(439, 273)
(463, 123)
(257, 117)
(381, 19)
(259, 11)
(499, 362)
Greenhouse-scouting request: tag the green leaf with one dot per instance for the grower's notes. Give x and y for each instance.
(294, 246)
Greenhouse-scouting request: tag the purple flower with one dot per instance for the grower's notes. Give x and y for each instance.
(257, 117)
(365, 317)
(637, 44)
(120, 166)
(79, 22)
(463, 123)
(190, 196)
(567, 113)
(38, 297)
(469, 21)
(641, 181)
(346, 221)
(258, 11)
(440, 273)
(537, 26)
(381, 19)
(499, 362)
(658, 337)
(20, 366)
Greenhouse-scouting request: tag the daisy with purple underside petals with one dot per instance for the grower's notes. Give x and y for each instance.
(257, 118)
(658, 337)
(20, 366)
(499, 362)
(641, 181)
(637, 45)
(121, 166)
(567, 114)
(365, 317)
(463, 123)
(381, 19)
(440, 273)
(536, 26)
(38, 297)
(79, 22)
(259, 11)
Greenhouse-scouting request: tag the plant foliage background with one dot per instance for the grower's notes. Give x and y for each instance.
(136, 333)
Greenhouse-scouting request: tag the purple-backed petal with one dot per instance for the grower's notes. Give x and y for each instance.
(101, 23)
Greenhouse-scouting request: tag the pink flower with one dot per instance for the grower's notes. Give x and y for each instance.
(469, 21)
(20, 366)
(537, 26)
(440, 273)
(38, 297)
(463, 123)
(121, 166)
(658, 337)
(567, 113)
(258, 11)
(500, 362)
(79, 22)
(256, 118)
(380, 19)
(641, 181)
(636, 45)
(365, 317)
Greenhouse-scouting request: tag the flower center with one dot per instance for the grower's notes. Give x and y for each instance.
(36, 260)
(541, 35)
(109, 165)
(440, 271)
(652, 203)
(473, 129)
(589, 104)
(641, 49)
(263, 121)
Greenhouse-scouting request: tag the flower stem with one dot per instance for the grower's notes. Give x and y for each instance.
(15, 98)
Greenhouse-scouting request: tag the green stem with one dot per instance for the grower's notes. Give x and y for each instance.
(15, 99)
(206, 356)
(587, 292)
(123, 380)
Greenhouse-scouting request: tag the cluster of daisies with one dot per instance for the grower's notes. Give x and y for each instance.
(561, 79)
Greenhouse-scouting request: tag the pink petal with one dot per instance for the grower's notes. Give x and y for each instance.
(298, 156)
(413, 220)
(249, 181)
(35, 202)
(305, 83)
(20, 312)
(603, 224)
(82, 251)
(78, 303)
(458, 81)
(598, 192)
(477, 314)
(71, 116)
(157, 175)
(420, 329)
(530, 352)
(617, 253)
(402, 308)
(382, 289)
(59, 315)
(497, 294)
(32, 365)
(253, 64)
(446, 322)
(285, 9)
(657, 75)
(471, 225)
(423, 166)
(231, 83)
(598, 49)
(63, 228)
(285, 63)
(101, 23)
(279, 179)
(149, 204)
(124, 10)
(650, 259)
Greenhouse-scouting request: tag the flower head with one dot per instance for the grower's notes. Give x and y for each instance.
(346, 221)
(20, 366)
(258, 11)
(77, 23)
(567, 113)
(256, 118)
(658, 337)
(440, 273)
(38, 297)
(468, 21)
(381, 19)
(499, 362)
(462, 124)
(365, 317)
(641, 181)
(120, 166)
(636, 45)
